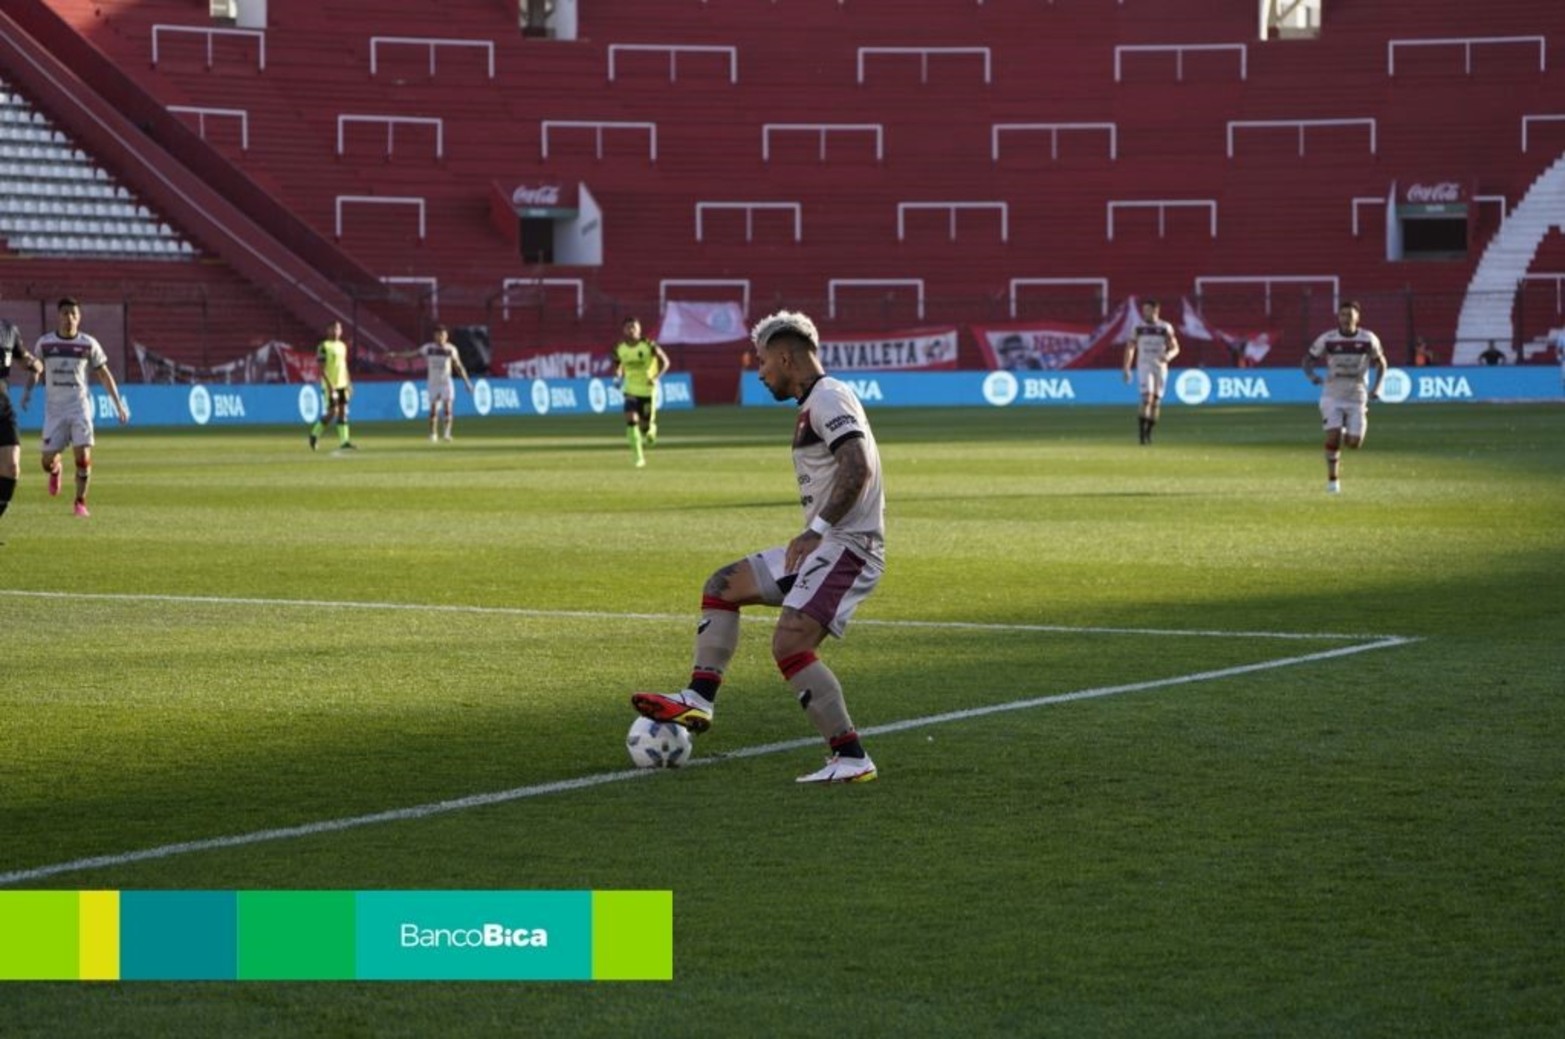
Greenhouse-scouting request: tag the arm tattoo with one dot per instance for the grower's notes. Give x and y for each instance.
(852, 475)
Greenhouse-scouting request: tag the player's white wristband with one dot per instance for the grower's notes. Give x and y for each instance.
(820, 526)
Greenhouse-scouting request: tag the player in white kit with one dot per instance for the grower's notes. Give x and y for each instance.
(820, 576)
(68, 354)
(443, 359)
(1350, 354)
(1150, 346)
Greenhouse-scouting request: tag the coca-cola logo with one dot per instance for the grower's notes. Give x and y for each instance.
(1445, 191)
(543, 195)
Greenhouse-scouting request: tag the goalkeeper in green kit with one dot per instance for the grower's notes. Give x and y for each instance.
(638, 362)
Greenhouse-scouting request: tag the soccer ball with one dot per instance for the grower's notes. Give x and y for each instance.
(657, 744)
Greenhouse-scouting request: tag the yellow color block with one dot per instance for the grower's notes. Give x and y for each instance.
(99, 948)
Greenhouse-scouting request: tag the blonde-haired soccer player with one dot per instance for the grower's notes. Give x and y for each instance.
(1350, 353)
(68, 354)
(820, 576)
(1151, 345)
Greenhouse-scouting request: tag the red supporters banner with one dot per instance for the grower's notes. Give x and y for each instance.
(701, 323)
(299, 365)
(1248, 348)
(916, 349)
(555, 363)
(1036, 345)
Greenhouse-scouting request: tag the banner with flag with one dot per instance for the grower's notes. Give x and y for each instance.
(1033, 346)
(1248, 348)
(697, 323)
(299, 365)
(559, 362)
(274, 361)
(916, 349)
(1192, 325)
(1106, 345)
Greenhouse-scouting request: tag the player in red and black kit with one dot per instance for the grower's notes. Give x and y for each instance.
(1351, 355)
(820, 576)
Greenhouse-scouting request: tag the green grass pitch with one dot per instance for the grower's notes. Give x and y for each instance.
(1316, 789)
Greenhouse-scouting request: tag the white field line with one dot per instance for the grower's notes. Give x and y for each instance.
(520, 611)
(567, 785)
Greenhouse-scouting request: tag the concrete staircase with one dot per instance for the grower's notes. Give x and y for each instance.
(1486, 312)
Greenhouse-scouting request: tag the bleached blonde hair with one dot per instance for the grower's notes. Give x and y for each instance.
(791, 321)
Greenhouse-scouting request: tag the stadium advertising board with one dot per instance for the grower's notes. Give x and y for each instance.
(236, 405)
(1194, 387)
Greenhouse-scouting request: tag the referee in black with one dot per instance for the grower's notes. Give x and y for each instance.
(10, 442)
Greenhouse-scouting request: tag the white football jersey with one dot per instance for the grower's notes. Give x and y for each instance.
(1152, 340)
(1349, 359)
(830, 415)
(439, 358)
(66, 364)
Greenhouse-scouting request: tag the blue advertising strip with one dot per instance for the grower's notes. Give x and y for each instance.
(372, 401)
(1196, 387)
(474, 936)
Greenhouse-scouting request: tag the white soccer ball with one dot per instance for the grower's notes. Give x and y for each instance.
(657, 744)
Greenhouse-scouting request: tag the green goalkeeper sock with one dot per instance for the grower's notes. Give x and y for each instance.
(342, 432)
(633, 434)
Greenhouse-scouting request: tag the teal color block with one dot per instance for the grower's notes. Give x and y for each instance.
(178, 936)
(474, 935)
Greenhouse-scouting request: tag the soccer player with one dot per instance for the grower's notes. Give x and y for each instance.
(336, 388)
(10, 440)
(1151, 345)
(820, 576)
(1350, 353)
(1559, 353)
(443, 358)
(68, 354)
(638, 363)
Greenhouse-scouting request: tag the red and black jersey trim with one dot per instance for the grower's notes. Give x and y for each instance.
(804, 434)
(852, 434)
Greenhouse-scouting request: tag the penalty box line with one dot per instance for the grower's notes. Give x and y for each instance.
(459, 804)
(524, 611)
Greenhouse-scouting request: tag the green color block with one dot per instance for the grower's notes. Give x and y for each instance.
(633, 936)
(38, 936)
(296, 935)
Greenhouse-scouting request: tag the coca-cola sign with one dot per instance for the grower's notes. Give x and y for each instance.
(540, 195)
(1435, 193)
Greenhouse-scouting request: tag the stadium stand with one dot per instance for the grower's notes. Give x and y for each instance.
(54, 201)
(1059, 120)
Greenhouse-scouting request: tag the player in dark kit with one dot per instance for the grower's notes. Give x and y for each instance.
(10, 441)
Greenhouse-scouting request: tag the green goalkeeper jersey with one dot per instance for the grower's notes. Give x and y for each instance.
(638, 362)
(333, 355)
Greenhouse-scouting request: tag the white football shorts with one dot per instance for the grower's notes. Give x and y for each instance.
(71, 429)
(1349, 415)
(830, 583)
(1150, 380)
